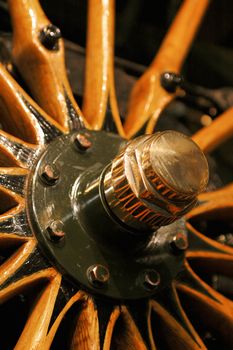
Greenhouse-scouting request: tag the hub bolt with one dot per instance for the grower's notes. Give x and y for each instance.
(98, 275)
(151, 279)
(56, 230)
(179, 243)
(82, 141)
(50, 174)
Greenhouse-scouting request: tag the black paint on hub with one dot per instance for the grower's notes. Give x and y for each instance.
(92, 235)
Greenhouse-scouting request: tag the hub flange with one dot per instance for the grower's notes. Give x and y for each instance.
(92, 235)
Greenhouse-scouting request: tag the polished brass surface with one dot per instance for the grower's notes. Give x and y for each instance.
(156, 179)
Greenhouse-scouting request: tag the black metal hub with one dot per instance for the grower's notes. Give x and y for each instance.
(82, 237)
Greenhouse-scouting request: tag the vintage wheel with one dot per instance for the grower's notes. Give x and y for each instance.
(100, 247)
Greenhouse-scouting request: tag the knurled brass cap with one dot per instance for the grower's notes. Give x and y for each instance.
(156, 179)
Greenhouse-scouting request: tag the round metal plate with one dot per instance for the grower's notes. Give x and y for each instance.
(92, 235)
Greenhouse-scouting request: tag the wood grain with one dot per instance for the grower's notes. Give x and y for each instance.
(36, 328)
(79, 297)
(99, 88)
(86, 334)
(42, 69)
(148, 98)
(122, 332)
(16, 118)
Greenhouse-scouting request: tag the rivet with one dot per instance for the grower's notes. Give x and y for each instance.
(98, 275)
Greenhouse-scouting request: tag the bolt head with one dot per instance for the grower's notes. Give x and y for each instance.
(56, 230)
(98, 275)
(49, 174)
(151, 279)
(179, 242)
(82, 141)
(49, 37)
(171, 81)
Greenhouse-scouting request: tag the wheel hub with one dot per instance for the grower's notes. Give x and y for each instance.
(88, 237)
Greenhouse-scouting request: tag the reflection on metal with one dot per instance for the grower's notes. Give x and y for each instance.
(155, 180)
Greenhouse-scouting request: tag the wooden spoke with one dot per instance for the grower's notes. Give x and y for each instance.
(178, 338)
(36, 328)
(148, 98)
(20, 116)
(9, 201)
(41, 63)
(13, 179)
(86, 334)
(212, 309)
(15, 221)
(141, 314)
(169, 322)
(17, 259)
(28, 282)
(78, 297)
(212, 203)
(15, 152)
(201, 245)
(122, 332)
(99, 77)
(220, 130)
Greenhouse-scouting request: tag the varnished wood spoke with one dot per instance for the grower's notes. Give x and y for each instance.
(26, 282)
(170, 325)
(99, 76)
(15, 152)
(122, 332)
(216, 195)
(80, 297)
(15, 221)
(22, 251)
(201, 244)
(141, 314)
(40, 60)
(219, 131)
(36, 328)
(20, 116)
(13, 179)
(86, 334)
(10, 202)
(28, 260)
(214, 311)
(148, 98)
